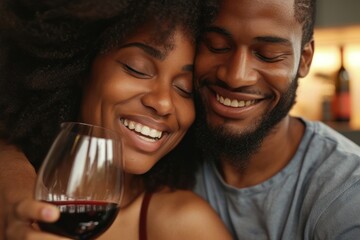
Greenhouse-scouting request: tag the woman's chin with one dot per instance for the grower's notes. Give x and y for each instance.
(138, 165)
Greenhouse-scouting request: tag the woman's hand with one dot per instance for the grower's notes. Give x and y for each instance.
(18, 211)
(21, 218)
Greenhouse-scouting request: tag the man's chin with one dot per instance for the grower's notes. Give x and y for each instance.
(226, 142)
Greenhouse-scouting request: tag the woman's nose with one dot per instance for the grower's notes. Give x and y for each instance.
(159, 99)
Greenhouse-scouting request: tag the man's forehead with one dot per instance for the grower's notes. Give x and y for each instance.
(254, 8)
(272, 18)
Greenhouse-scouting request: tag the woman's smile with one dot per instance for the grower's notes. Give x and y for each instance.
(141, 136)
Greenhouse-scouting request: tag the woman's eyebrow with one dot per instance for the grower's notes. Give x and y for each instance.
(147, 49)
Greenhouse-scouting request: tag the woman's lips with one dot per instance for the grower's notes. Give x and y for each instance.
(141, 137)
(146, 131)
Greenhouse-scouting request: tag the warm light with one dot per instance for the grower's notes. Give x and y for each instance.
(326, 58)
(353, 56)
(353, 65)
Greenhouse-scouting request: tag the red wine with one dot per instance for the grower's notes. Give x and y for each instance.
(82, 219)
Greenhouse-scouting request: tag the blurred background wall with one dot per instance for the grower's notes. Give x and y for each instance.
(338, 23)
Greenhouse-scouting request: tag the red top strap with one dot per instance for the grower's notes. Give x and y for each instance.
(143, 216)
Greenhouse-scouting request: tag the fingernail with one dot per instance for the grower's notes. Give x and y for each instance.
(47, 213)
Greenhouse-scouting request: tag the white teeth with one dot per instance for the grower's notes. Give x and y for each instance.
(144, 130)
(131, 125)
(138, 127)
(227, 102)
(154, 133)
(233, 102)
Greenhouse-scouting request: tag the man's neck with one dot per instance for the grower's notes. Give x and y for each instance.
(276, 151)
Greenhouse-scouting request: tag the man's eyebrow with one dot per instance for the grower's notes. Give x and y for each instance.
(267, 39)
(273, 39)
(146, 48)
(219, 30)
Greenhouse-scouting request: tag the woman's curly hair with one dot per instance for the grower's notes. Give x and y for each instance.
(48, 46)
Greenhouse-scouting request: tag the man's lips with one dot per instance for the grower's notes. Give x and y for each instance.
(236, 99)
(234, 102)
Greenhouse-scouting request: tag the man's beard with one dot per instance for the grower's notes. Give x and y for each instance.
(238, 147)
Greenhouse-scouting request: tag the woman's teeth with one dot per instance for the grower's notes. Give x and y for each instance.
(142, 129)
(233, 102)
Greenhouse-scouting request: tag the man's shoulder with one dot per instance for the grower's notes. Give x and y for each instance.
(325, 138)
(331, 203)
(328, 168)
(332, 167)
(329, 156)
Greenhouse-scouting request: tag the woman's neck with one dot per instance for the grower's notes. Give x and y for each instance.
(133, 187)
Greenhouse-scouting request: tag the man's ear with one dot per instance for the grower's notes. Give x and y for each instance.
(306, 58)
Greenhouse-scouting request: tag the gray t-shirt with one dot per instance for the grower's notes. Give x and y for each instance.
(316, 196)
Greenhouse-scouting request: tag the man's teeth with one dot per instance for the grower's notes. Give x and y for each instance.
(144, 130)
(233, 102)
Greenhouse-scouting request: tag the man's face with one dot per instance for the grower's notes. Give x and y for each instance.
(247, 68)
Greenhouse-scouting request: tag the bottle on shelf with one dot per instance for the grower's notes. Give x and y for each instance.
(341, 105)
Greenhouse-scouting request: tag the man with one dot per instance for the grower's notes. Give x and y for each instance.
(270, 175)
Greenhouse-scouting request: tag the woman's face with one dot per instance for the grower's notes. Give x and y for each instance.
(144, 92)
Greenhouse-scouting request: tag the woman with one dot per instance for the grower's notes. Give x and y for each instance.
(126, 66)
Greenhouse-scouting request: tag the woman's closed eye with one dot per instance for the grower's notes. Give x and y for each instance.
(184, 88)
(136, 72)
(184, 92)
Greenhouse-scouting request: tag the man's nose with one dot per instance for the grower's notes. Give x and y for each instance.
(238, 70)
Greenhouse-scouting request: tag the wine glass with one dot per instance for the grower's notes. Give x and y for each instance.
(82, 175)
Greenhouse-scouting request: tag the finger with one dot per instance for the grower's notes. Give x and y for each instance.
(19, 230)
(34, 210)
(36, 235)
(29, 234)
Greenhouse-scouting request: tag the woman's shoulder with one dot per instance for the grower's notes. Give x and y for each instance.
(180, 203)
(178, 198)
(182, 214)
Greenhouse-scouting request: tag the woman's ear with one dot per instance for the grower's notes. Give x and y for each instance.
(306, 58)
